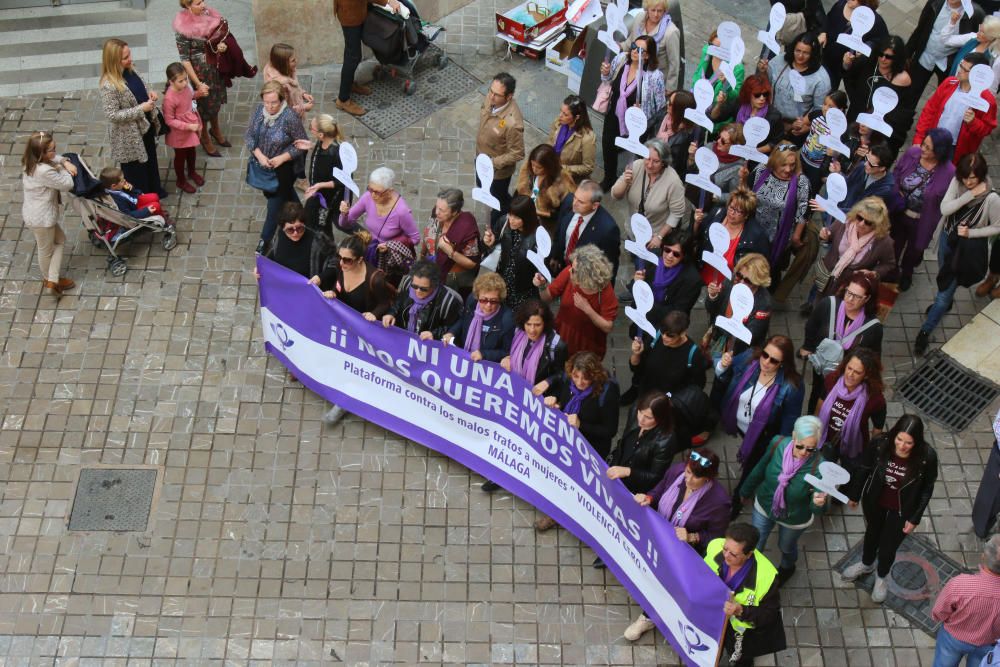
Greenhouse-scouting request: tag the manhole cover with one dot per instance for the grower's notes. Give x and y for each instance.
(919, 573)
(117, 499)
(391, 110)
(946, 392)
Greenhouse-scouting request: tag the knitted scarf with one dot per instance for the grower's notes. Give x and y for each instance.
(852, 248)
(789, 466)
(669, 499)
(526, 365)
(475, 333)
(577, 397)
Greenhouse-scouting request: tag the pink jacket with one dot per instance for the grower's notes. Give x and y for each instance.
(179, 113)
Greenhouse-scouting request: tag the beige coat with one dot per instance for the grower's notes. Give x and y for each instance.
(579, 153)
(501, 137)
(128, 124)
(42, 200)
(668, 51)
(551, 197)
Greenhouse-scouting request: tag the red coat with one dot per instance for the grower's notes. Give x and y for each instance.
(971, 134)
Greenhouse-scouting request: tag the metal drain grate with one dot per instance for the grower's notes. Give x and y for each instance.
(391, 110)
(919, 573)
(946, 392)
(117, 499)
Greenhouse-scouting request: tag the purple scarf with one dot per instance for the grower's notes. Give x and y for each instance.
(417, 306)
(850, 433)
(745, 112)
(565, 132)
(660, 29)
(625, 89)
(741, 574)
(663, 278)
(475, 332)
(781, 237)
(526, 365)
(840, 330)
(577, 397)
(760, 415)
(669, 499)
(789, 466)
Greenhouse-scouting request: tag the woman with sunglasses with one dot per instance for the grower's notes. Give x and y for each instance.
(971, 210)
(850, 316)
(297, 247)
(894, 485)
(745, 235)
(358, 285)
(752, 271)
(424, 306)
(572, 136)
(486, 329)
(668, 363)
(838, 22)
(763, 397)
(390, 221)
(452, 239)
(754, 101)
(885, 68)
(851, 399)
(781, 495)
(674, 280)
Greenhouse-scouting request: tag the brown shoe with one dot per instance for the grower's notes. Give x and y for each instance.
(65, 284)
(52, 288)
(984, 288)
(544, 522)
(995, 293)
(361, 89)
(351, 107)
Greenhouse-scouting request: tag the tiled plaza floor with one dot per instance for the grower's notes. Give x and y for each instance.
(275, 540)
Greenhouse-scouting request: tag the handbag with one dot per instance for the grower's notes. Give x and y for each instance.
(603, 97)
(212, 42)
(164, 128)
(261, 178)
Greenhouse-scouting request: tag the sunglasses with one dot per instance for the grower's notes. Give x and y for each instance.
(295, 229)
(738, 277)
(421, 288)
(489, 302)
(864, 221)
(763, 94)
(703, 461)
(670, 251)
(764, 356)
(348, 260)
(801, 447)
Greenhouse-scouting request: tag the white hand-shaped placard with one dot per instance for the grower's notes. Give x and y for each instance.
(703, 97)
(741, 302)
(755, 131)
(728, 67)
(980, 78)
(345, 172)
(544, 244)
(776, 22)
(798, 85)
(831, 476)
(614, 16)
(884, 100)
(643, 233)
(836, 191)
(862, 20)
(482, 194)
(635, 125)
(967, 8)
(716, 258)
(643, 295)
(727, 32)
(836, 122)
(708, 164)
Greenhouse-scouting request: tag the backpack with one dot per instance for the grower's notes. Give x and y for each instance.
(830, 350)
(691, 352)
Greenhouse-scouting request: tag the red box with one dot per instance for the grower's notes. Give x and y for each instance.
(529, 19)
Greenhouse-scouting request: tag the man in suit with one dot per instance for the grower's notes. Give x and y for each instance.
(582, 220)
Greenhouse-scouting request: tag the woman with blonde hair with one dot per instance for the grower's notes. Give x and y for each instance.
(131, 110)
(282, 67)
(486, 328)
(324, 194)
(46, 175)
(654, 20)
(860, 243)
(985, 40)
(753, 271)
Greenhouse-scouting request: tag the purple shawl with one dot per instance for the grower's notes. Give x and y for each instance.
(417, 306)
(475, 332)
(741, 574)
(760, 415)
(669, 499)
(839, 329)
(787, 216)
(577, 397)
(625, 89)
(663, 278)
(526, 366)
(938, 184)
(850, 433)
(746, 112)
(565, 132)
(789, 466)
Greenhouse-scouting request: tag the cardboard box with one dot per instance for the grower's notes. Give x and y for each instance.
(529, 19)
(565, 55)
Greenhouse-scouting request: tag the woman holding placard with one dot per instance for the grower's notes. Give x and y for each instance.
(537, 352)
(543, 179)
(727, 176)
(744, 234)
(635, 82)
(800, 84)
(324, 194)
(486, 328)
(668, 363)
(861, 244)
(674, 280)
(677, 130)
(753, 271)
(653, 189)
(838, 21)
(862, 77)
(572, 136)
(517, 237)
(722, 90)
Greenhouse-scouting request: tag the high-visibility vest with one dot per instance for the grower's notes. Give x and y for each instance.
(748, 597)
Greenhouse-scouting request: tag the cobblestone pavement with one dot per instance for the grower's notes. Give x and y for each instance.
(276, 540)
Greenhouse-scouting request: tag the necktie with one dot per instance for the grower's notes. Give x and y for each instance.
(574, 237)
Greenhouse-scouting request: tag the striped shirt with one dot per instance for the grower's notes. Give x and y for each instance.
(969, 605)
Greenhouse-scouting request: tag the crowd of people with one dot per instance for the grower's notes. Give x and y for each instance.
(433, 281)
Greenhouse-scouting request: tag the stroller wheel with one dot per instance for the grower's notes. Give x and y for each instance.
(409, 87)
(118, 267)
(169, 240)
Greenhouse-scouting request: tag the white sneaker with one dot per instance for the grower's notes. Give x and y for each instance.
(638, 628)
(881, 589)
(333, 415)
(857, 571)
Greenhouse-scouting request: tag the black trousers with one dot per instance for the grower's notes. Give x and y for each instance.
(995, 258)
(352, 58)
(987, 503)
(883, 535)
(919, 77)
(610, 132)
(146, 175)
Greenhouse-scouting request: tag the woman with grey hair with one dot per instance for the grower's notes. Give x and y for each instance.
(390, 222)
(452, 239)
(588, 305)
(424, 306)
(654, 189)
(780, 493)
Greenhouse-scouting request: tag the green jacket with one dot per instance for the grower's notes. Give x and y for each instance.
(763, 481)
(732, 92)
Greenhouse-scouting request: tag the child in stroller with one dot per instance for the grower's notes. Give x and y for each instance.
(128, 199)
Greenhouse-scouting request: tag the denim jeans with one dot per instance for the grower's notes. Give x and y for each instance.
(276, 201)
(944, 298)
(788, 538)
(950, 651)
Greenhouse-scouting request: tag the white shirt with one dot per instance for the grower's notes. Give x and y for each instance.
(935, 55)
(576, 223)
(750, 398)
(952, 115)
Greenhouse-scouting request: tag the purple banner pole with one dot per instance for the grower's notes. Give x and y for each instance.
(489, 421)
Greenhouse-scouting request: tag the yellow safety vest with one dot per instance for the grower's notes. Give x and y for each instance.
(748, 597)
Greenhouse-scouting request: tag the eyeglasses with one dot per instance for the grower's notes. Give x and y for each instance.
(854, 296)
(864, 221)
(295, 229)
(670, 251)
(421, 288)
(868, 161)
(489, 302)
(703, 461)
(964, 68)
(764, 356)
(801, 447)
(376, 193)
(763, 94)
(734, 554)
(348, 260)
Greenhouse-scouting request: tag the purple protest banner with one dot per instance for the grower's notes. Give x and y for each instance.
(488, 420)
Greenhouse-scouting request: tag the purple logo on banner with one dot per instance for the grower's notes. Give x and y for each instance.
(488, 420)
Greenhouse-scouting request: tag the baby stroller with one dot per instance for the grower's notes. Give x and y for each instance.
(400, 43)
(107, 226)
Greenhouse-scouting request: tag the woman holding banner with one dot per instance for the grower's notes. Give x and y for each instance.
(647, 445)
(537, 352)
(486, 329)
(424, 306)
